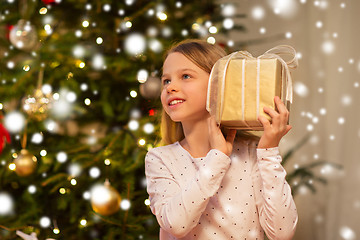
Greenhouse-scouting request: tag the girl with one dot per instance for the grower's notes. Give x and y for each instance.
(202, 185)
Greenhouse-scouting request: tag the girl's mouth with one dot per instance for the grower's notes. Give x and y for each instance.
(175, 102)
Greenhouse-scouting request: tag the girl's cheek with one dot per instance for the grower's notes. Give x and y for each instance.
(162, 98)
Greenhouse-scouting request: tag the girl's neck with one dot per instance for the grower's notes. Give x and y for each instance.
(196, 140)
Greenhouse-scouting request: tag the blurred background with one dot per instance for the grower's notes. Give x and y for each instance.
(79, 108)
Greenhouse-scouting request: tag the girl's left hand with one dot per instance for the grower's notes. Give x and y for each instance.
(274, 131)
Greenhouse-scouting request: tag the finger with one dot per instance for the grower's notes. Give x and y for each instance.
(271, 112)
(275, 116)
(264, 122)
(231, 136)
(283, 111)
(280, 106)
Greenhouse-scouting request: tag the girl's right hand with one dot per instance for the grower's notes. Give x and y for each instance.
(216, 138)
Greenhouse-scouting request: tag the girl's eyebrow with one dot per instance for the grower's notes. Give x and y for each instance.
(180, 70)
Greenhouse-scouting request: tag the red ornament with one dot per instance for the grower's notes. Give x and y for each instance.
(8, 29)
(151, 112)
(4, 137)
(222, 45)
(48, 1)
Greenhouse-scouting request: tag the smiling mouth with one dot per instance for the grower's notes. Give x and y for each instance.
(174, 102)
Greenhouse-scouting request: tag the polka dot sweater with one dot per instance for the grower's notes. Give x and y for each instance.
(220, 197)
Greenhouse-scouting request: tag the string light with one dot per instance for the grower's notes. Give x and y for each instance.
(128, 24)
(133, 94)
(85, 23)
(162, 16)
(12, 166)
(99, 40)
(213, 30)
(73, 182)
(142, 142)
(87, 195)
(211, 40)
(43, 153)
(43, 10)
(83, 222)
(87, 101)
(81, 65)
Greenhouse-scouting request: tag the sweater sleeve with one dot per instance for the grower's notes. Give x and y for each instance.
(179, 208)
(276, 207)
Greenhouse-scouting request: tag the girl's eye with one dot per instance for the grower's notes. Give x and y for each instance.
(185, 76)
(166, 81)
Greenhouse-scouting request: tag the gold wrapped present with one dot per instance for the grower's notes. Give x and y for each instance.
(240, 86)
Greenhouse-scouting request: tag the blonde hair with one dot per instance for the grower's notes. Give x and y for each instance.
(204, 55)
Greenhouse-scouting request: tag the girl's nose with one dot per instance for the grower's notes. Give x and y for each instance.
(171, 87)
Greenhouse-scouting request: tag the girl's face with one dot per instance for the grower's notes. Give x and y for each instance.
(184, 89)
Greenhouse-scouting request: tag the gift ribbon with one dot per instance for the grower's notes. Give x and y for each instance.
(270, 54)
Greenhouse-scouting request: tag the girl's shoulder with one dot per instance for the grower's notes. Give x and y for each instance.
(164, 150)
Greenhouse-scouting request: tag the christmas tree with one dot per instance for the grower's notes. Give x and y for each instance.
(79, 107)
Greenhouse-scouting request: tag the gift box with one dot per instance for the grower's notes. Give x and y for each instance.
(240, 86)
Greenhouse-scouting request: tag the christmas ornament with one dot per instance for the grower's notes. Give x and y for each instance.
(151, 88)
(25, 163)
(105, 200)
(37, 105)
(92, 134)
(4, 136)
(47, 2)
(24, 36)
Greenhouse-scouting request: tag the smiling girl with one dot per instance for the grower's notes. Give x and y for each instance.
(202, 184)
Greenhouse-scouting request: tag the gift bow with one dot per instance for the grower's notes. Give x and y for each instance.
(271, 54)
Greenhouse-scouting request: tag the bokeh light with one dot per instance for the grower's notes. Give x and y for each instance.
(94, 172)
(125, 204)
(6, 204)
(61, 157)
(135, 43)
(14, 121)
(45, 222)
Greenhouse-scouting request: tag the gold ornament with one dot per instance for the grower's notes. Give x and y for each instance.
(25, 163)
(105, 200)
(37, 106)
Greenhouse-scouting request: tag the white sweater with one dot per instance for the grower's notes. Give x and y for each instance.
(217, 197)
